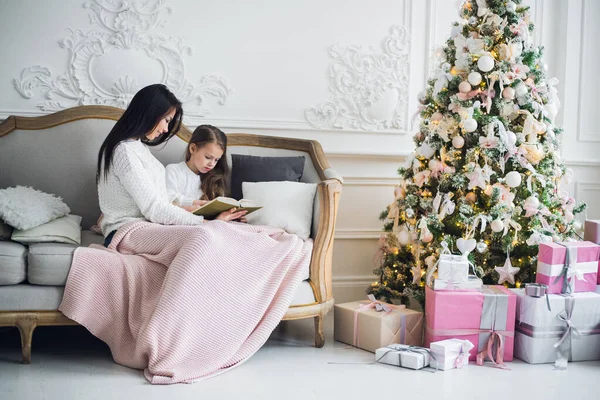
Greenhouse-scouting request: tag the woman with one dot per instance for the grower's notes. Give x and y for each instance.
(131, 181)
(179, 297)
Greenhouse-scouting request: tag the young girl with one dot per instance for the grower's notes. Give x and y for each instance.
(201, 177)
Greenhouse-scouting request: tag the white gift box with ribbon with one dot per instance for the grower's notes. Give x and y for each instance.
(453, 268)
(401, 355)
(450, 353)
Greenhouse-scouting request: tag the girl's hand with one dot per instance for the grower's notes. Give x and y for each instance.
(199, 203)
(231, 215)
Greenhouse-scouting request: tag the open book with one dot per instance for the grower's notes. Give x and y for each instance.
(220, 204)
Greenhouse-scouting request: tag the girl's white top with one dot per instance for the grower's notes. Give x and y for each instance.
(183, 185)
(135, 190)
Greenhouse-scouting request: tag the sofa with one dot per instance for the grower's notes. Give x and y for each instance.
(57, 153)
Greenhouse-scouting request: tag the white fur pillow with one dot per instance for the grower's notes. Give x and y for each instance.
(25, 208)
(286, 205)
(65, 229)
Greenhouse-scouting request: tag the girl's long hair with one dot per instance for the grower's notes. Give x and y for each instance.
(142, 116)
(214, 182)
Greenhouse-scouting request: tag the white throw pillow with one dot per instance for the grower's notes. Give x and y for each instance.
(65, 229)
(286, 205)
(24, 207)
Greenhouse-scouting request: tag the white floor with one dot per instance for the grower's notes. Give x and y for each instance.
(68, 363)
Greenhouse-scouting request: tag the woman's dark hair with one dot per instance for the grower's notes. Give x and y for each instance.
(214, 182)
(142, 116)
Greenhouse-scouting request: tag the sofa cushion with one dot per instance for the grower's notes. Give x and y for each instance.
(263, 169)
(49, 263)
(13, 263)
(24, 207)
(65, 229)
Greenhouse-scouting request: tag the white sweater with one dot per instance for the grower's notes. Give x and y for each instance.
(135, 190)
(183, 185)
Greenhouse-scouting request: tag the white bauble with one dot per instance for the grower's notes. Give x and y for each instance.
(437, 116)
(434, 164)
(508, 93)
(521, 90)
(569, 216)
(426, 150)
(455, 31)
(513, 179)
(474, 78)
(482, 246)
(427, 237)
(577, 226)
(464, 87)
(511, 7)
(544, 66)
(458, 142)
(409, 213)
(497, 225)
(511, 138)
(532, 202)
(422, 96)
(404, 237)
(469, 125)
(485, 63)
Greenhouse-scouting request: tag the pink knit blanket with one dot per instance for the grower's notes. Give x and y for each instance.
(185, 302)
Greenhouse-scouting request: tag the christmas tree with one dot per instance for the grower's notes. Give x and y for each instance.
(486, 178)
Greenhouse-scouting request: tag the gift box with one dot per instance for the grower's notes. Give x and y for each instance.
(473, 282)
(359, 324)
(592, 231)
(453, 268)
(575, 261)
(403, 355)
(572, 323)
(477, 315)
(450, 353)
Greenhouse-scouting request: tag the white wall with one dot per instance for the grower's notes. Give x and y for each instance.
(269, 63)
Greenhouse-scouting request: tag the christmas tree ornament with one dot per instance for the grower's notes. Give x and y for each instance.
(482, 246)
(497, 225)
(434, 164)
(474, 78)
(485, 63)
(426, 150)
(508, 93)
(422, 96)
(437, 116)
(469, 125)
(458, 142)
(532, 203)
(577, 225)
(410, 213)
(427, 237)
(569, 216)
(464, 87)
(513, 179)
(404, 237)
(511, 7)
(511, 138)
(465, 246)
(471, 197)
(507, 272)
(521, 90)
(544, 66)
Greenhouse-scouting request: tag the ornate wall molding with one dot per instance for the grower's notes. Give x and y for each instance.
(124, 26)
(369, 88)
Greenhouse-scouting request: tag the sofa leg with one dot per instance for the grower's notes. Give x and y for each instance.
(319, 334)
(26, 327)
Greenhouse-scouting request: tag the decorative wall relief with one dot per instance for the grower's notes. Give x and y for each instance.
(369, 88)
(104, 64)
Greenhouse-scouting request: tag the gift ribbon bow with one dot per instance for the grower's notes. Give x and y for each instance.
(372, 304)
(569, 270)
(496, 341)
(563, 346)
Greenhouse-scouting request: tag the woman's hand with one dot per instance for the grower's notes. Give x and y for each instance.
(231, 215)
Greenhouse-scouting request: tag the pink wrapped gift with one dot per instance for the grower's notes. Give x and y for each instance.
(577, 261)
(592, 231)
(485, 317)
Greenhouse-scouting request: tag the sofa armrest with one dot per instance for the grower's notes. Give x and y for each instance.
(329, 192)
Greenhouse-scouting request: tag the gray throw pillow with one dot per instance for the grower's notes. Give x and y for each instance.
(5, 230)
(263, 169)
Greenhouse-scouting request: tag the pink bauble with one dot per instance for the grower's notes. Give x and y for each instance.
(437, 116)
(458, 142)
(508, 93)
(434, 164)
(464, 87)
(427, 237)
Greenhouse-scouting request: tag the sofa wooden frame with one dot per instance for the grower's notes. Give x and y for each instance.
(329, 191)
